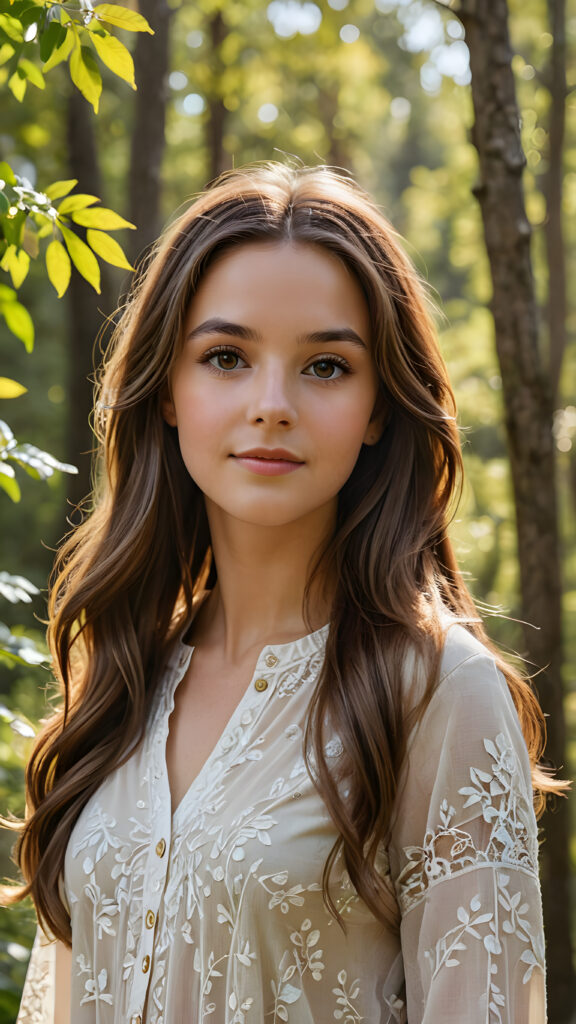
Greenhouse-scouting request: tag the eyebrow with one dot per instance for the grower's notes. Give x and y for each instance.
(217, 325)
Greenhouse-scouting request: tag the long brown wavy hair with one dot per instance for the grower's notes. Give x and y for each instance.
(125, 579)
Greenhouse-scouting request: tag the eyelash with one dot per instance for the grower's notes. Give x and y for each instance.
(338, 361)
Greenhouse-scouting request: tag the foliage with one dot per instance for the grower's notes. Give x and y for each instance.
(74, 32)
(393, 106)
(76, 225)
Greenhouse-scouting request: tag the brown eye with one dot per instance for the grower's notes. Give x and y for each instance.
(225, 360)
(325, 369)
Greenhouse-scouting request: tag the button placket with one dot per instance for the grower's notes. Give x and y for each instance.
(156, 872)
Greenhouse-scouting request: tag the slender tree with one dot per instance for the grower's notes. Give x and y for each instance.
(527, 391)
(218, 159)
(553, 190)
(151, 62)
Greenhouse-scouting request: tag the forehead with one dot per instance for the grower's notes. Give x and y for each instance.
(292, 281)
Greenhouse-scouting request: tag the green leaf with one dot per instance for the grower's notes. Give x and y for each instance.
(115, 15)
(7, 173)
(17, 84)
(60, 188)
(37, 463)
(107, 247)
(62, 51)
(77, 202)
(115, 56)
(6, 52)
(11, 27)
(19, 321)
(8, 482)
(4, 204)
(13, 228)
(16, 588)
(11, 388)
(101, 217)
(85, 75)
(58, 266)
(82, 257)
(15, 262)
(50, 39)
(33, 73)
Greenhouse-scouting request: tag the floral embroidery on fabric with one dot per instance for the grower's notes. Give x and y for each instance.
(218, 906)
(449, 848)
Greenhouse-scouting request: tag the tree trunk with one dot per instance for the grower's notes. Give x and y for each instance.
(86, 309)
(528, 411)
(151, 61)
(218, 159)
(328, 106)
(553, 183)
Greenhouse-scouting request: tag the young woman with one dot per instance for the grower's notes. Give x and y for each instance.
(290, 780)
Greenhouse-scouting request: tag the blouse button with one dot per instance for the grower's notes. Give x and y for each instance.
(150, 919)
(271, 660)
(136, 1019)
(146, 965)
(161, 847)
(261, 685)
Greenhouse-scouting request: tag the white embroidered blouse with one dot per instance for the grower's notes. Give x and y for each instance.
(216, 913)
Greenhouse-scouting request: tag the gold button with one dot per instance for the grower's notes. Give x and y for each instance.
(146, 965)
(271, 660)
(150, 919)
(161, 847)
(136, 1019)
(261, 685)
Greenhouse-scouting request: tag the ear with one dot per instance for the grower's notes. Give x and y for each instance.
(168, 409)
(375, 428)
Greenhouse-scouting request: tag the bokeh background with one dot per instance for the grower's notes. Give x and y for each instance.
(380, 87)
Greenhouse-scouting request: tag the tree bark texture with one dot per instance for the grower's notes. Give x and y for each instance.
(151, 63)
(528, 411)
(86, 309)
(218, 159)
(553, 188)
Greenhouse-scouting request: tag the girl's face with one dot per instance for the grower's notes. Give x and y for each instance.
(274, 390)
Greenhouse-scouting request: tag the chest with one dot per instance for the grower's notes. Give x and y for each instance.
(204, 703)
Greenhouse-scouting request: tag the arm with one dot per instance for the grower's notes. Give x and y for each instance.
(46, 995)
(63, 977)
(464, 858)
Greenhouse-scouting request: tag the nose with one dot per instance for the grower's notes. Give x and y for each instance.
(271, 400)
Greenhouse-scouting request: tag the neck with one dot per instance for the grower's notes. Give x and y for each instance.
(262, 576)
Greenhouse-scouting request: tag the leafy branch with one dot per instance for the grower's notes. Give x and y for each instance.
(75, 32)
(74, 226)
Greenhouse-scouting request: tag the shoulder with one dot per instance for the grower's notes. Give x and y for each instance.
(460, 647)
(470, 696)
(466, 668)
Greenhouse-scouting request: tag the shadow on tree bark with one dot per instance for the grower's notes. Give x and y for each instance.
(527, 391)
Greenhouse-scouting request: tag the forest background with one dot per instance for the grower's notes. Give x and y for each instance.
(382, 88)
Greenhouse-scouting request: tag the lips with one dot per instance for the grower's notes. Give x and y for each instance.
(268, 462)
(272, 454)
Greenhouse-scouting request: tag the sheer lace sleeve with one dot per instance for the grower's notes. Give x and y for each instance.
(464, 858)
(38, 997)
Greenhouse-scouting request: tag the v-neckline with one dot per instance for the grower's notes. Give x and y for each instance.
(279, 651)
(177, 811)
